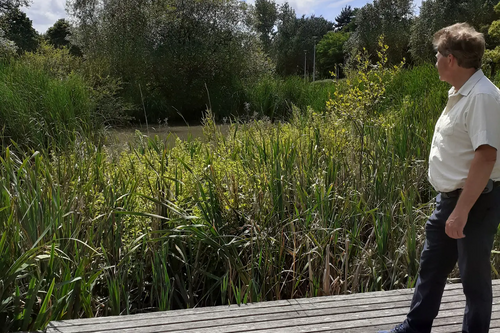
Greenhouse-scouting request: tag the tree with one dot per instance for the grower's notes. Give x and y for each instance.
(8, 5)
(437, 14)
(175, 56)
(59, 36)
(283, 45)
(7, 47)
(389, 18)
(492, 56)
(295, 36)
(19, 29)
(345, 17)
(360, 107)
(330, 52)
(266, 12)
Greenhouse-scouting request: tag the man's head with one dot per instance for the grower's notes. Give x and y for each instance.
(460, 50)
(463, 42)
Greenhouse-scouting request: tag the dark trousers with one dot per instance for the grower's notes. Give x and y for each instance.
(440, 255)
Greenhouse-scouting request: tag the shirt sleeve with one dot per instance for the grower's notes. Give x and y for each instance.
(483, 121)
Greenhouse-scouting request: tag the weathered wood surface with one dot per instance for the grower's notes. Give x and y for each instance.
(367, 312)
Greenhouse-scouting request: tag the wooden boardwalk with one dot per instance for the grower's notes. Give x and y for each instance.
(367, 312)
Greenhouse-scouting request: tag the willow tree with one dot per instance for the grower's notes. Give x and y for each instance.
(7, 47)
(492, 55)
(266, 16)
(8, 5)
(19, 29)
(389, 18)
(437, 14)
(174, 55)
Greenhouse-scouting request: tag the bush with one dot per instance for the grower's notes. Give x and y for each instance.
(50, 95)
(37, 109)
(7, 48)
(105, 91)
(274, 97)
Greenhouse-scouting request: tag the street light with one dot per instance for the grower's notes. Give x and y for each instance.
(314, 59)
(305, 63)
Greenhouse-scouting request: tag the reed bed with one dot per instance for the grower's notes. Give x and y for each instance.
(40, 110)
(273, 97)
(268, 211)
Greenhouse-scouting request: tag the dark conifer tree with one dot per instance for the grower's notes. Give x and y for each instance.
(346, 16)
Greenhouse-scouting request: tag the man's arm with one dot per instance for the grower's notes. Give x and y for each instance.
(479, 173)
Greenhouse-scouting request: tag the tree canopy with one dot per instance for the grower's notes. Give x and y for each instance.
(8, 5)
(266, 12)
(437, 14)
(19, 29)
(390, 18)
(344, 19)
(59, 36)
(330, 52)
(179, 56)
(295, 40)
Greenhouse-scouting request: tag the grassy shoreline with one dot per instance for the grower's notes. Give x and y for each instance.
(267, 211)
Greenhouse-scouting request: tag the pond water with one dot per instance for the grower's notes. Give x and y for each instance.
(123, 136)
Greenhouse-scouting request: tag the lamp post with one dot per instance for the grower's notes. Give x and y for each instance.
(305, 64)
(314, 58)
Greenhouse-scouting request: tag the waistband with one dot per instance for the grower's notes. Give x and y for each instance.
(458, 191)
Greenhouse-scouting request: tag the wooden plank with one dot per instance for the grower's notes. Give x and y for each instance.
(268, 304)
(346, 313)
(321, 320)
(344, 306)
(358, 326)
(441, 325)
(250, 309)
(342, 313)
(259, 314)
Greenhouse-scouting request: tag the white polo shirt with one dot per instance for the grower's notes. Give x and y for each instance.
(470, 119)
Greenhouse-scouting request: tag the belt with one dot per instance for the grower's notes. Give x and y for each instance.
(458, 191)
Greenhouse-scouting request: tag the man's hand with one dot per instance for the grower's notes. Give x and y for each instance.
(480, 170)
(455, 224)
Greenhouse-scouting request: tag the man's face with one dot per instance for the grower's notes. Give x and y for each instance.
(443, 66)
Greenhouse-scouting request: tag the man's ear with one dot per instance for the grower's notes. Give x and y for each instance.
(452, 61)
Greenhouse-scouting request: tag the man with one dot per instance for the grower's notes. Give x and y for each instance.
(464, 170)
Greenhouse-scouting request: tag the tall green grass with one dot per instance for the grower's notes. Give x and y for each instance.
(39, 110)
(275, 97)
(269, 211)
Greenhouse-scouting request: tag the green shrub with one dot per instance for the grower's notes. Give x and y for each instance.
(8, 48)
(275, 97)
(105, 91)
(37, 109)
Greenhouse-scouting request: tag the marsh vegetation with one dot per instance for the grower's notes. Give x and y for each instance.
(289, 188)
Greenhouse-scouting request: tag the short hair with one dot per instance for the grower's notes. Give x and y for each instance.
(463, 42)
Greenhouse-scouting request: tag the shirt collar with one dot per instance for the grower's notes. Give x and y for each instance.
(467, 87)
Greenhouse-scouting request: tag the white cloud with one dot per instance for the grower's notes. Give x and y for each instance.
(339, 3)
(305, 7)
(44, 13)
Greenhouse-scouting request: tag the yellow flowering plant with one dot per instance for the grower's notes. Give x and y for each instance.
(359, 102)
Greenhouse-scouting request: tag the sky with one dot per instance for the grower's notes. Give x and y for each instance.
(44, 13)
